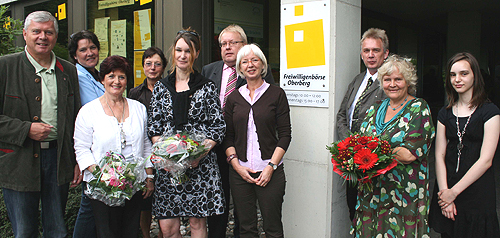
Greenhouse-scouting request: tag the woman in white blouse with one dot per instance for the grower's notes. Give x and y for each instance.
(113, 123)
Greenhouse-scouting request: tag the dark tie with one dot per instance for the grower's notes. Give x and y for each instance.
(360, 99)
(231, 85)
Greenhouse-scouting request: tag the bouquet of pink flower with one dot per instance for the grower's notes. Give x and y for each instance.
(175, 153)
(116, 178)
(361, 158)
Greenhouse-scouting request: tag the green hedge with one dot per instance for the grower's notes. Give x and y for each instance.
(71, 213)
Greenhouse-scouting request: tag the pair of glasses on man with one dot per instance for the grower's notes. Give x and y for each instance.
(150, 64)
(230, 43)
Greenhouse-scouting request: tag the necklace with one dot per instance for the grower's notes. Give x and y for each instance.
(395, 108)
(460, 135)
(120, 124)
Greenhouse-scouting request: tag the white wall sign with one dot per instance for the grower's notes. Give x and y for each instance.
(304, 65)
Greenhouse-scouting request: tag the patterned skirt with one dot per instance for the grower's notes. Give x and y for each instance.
(201, 196)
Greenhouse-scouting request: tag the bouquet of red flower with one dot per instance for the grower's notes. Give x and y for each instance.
(361, 158)
(117, 178)
(175, 154)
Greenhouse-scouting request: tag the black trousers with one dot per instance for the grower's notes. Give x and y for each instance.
(217, 224)
(270, 198)
(118, 222)
(351, 193)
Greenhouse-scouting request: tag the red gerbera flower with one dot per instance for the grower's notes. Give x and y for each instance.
(365, 159)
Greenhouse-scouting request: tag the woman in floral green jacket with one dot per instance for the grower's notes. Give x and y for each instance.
(398, 204)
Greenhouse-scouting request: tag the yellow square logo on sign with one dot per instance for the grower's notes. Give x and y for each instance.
(299, 10)
(305, 44)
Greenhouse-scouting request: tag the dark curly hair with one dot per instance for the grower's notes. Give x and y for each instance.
(116, 62)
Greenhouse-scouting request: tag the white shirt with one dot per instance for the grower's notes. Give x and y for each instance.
(97, 133)
(360, 91)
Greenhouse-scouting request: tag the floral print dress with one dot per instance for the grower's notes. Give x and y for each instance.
(398, 205)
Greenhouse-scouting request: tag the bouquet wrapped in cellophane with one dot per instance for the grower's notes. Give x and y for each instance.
(176, 152)
(361, 158)
(116, 179)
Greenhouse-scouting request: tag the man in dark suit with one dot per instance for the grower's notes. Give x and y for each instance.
(223, 73)
(361, 93)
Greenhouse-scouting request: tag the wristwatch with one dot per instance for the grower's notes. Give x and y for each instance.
(150, 176)
(273, 165)
(231, 157)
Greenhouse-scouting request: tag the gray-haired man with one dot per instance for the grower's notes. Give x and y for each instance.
(39, 101)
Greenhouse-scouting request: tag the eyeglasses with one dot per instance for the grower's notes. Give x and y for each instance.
(254, 61)
(156, 64)
(230, 44)
(189, 32)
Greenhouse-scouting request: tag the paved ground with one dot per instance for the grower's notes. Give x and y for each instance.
(185, 230)
(432, 178)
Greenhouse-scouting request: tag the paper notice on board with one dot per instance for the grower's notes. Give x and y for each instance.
(142, 29)
(103, 52)
(118, 38)
(139, 75)
(101, 28)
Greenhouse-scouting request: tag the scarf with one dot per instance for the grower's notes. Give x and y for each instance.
(380, 125)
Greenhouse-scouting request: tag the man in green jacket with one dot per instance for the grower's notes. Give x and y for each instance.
(39, 101)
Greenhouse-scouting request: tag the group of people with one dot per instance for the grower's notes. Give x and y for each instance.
(58, 120)
(382, 102)
(61, 119)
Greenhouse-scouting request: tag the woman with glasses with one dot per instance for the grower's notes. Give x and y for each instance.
(153, 64)
(187, 101)
(258, 134)
(113, 123)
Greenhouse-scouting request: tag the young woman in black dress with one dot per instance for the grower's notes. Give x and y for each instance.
(468, 128)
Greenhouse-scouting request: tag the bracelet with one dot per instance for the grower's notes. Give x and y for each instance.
(231, 157)
(150, 176)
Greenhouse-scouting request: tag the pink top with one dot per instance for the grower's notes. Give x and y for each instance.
(254, 159)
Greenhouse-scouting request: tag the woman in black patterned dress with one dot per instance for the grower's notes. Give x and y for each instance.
(187, 101)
